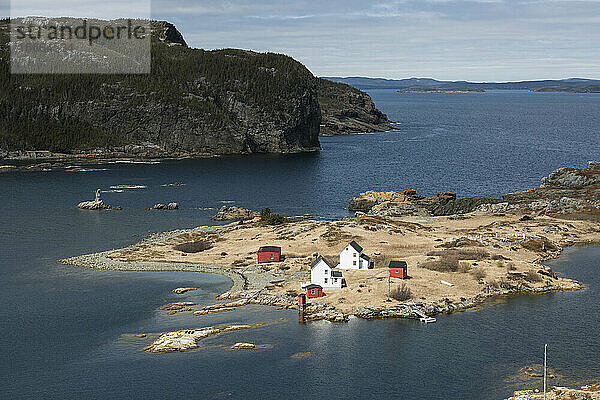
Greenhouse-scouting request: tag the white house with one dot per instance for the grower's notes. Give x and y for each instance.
(352, 257)
(322, 273)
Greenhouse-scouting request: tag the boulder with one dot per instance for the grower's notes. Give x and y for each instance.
(184, 290)
(233, 213)
(96, 205)
(170, 206)
(241, 345)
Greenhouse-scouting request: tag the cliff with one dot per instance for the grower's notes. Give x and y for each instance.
(347, 110)
(195, 102)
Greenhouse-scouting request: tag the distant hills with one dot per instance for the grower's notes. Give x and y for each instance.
(570, 89)
(422, 83)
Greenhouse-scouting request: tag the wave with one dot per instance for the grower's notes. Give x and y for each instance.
(86, 169)
(133, 162)
(129, 187)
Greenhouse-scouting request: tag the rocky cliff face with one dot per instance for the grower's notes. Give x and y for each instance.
(194, 102)
(347, 110)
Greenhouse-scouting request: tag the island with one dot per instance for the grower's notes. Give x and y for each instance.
(570, 89)
(440, 90)
(458, 251)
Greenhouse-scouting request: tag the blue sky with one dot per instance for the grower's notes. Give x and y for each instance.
(491, 40)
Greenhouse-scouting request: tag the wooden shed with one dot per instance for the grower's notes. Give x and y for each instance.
(398, 269)
(313, 291)
(269, 254)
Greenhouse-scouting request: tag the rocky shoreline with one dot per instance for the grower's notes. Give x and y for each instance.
(589, 392)
(457, 261)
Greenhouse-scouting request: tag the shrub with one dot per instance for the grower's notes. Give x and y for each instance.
(532, 276)
(443, 264)
(478, 274)
(270, 218)
(193, 247)
(448, 260)
(401, 293)
(539, 245)
(462, 254)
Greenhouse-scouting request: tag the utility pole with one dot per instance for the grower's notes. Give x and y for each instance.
(389, 282)
(545, 364)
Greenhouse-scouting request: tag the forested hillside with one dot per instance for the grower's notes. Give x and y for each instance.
(194, 102)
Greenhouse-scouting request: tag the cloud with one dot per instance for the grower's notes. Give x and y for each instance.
(447, 39)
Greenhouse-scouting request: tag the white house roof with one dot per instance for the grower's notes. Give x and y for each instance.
(314, 263)
(356, 246)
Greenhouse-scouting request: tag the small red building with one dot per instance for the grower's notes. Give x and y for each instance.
(398, 269)
(313, 290)
(269, 254)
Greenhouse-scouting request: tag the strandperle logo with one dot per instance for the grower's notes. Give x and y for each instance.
(85, 31)
(82, 46)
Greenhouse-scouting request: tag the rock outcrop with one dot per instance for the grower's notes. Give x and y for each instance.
(242, 345)
(347, 110)
(573, 192)
(187, 339)
(408, 202)
(96, 204)
(170, 206)
(569, 191)
(183, 290)
(233, 213)
(590, 392)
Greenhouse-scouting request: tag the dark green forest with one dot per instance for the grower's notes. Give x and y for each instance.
(33, 107)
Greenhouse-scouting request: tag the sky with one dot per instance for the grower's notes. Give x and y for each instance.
(476, 40)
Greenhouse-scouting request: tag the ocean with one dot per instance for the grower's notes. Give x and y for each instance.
(68, 333)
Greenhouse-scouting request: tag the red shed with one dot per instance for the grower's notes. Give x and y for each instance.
(313, 290)
(269, 254)
(398, 269)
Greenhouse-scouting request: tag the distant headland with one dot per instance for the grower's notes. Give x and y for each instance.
(439, 90)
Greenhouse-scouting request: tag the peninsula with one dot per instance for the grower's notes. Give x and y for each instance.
(218, 102)
(459, 252)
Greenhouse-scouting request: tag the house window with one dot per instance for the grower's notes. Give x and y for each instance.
(354, 254)
(272, 256)
(312, 291)
(325, 280)
(334, 280)
(354, 262)
(326, 272)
